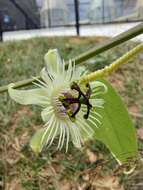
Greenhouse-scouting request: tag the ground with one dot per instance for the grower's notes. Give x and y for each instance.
(92, 167)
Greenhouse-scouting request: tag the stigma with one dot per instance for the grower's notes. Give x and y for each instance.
(72, 101)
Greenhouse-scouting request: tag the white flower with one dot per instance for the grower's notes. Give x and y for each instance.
(68, 109)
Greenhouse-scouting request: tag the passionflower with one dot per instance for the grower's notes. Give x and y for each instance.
(68, 108)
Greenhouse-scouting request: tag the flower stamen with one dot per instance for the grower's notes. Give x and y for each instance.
(73, 104)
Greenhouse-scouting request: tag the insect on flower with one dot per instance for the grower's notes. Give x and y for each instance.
(68, 108)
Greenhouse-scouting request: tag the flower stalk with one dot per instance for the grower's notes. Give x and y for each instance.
(107, 70)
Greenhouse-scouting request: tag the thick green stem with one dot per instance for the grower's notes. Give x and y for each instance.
(113, 67)
(131, 33)
(125, 36)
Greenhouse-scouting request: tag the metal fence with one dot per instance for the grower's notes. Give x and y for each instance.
(33, 14)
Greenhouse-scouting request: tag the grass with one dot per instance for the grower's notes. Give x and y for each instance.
(19, 167)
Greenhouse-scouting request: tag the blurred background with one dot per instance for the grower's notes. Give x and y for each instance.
(35, 14)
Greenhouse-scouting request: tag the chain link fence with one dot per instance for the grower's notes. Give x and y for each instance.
(33, 14)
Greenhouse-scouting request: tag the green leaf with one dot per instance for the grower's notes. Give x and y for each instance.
(116, 131)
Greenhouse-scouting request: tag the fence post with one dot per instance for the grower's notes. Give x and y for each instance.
(49, 15)
(77, 25)
(1, 31)
(103, 11)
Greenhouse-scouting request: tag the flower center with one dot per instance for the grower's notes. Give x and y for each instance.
(72, 104)
(59, 110)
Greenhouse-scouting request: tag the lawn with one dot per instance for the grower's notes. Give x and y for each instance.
(90, 168)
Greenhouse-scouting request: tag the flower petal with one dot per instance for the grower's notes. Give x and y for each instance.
(36, 143)
(35, 96)
(53, 62)
(46, 78)
(46, 113)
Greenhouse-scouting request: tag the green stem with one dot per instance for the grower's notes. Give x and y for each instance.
(131, 33)
(19, 84)
(113, 67)
(125, 36)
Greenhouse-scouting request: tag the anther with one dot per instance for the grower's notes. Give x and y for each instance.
(85, 98)
(68, 100)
